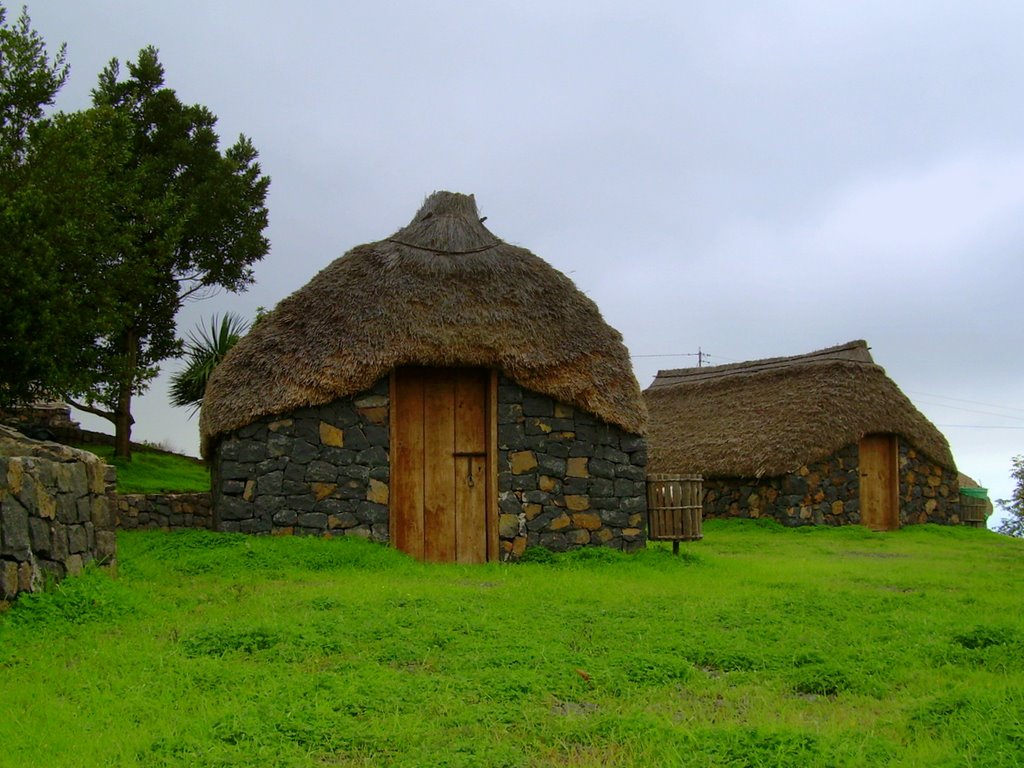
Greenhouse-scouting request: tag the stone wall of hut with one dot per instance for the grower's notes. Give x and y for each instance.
(319, 471)
(821, 493)
(828, 492)
(928, 493)
(565, 479)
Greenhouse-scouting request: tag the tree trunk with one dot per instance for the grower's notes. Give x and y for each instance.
(123, 423)
(123, 412)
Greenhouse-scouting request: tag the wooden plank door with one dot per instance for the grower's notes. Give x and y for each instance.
(438, 465)
(879, 483)
(470, 475)
(441, 489)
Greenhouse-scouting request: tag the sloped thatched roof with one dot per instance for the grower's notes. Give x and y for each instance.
(443, 291)
(769, 417)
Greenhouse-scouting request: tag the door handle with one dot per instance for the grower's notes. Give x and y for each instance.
(469, 464)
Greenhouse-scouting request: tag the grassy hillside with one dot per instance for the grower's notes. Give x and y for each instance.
(155, 471)
(760, 647)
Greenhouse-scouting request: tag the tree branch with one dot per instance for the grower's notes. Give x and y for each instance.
(189, 278)
(108, 415)
(185, 294)
(199, 290)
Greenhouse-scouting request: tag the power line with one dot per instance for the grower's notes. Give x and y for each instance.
(972, 402)
(700, 354)
(976, 426)
(973, 410)
(671, 354)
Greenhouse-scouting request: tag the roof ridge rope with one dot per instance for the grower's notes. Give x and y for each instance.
(442, 250)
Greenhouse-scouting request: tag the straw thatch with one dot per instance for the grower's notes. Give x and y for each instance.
(770, 417)
(443, 291)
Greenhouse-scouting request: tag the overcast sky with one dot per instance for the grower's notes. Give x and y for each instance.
(749, 179)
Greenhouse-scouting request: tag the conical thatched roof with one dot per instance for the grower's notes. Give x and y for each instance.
(443, 291)
(769, 417)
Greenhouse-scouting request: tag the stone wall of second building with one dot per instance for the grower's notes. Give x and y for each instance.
(928, 493)
(820, 493)
(828, 492)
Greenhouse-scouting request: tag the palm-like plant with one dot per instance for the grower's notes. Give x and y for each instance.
(204, 349)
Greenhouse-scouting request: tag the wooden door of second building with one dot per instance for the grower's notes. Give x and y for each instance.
(442, 487)
(879, 482)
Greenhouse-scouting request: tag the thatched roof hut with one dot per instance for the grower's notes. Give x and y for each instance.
(770, 417)
(441, 291)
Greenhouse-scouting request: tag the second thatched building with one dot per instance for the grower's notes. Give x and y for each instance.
(821, 438)
(439, 389)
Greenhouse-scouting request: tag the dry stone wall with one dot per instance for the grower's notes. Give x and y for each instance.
(828, 492)
(820, 493)
(566, 479)
(163, 511)
(928, 493)
(54, 513)
(318, 471)
(39, 418)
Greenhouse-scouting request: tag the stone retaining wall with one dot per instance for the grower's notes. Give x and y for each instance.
(163, 511)
(54, 513)
(38, 416)
(828, 492)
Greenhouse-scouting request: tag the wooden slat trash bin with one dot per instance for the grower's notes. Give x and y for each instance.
(974, 506)
(675, 508)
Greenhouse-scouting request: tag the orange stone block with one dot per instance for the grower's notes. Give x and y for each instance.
(560, 522)
(522, 461)
(374, 415)
(577, 467)
(587, 520)
(378, 492)
(331, 435)
(322, 490)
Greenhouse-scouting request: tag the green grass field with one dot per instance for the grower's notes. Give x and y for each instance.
(760, 646)
(154, 471)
